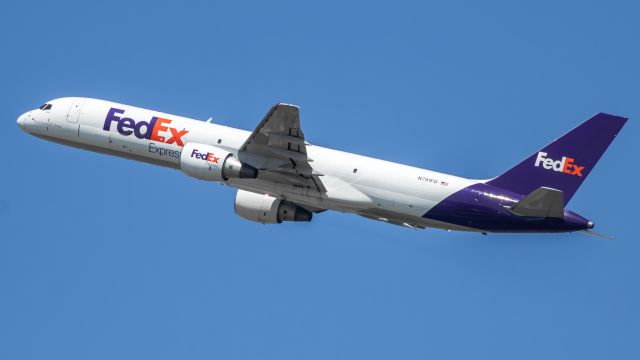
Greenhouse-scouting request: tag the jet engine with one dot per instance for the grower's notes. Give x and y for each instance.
(206, 162)
(266, 209)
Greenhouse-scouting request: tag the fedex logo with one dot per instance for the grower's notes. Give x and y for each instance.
(156, 129)
(205, 156)
(565, 165)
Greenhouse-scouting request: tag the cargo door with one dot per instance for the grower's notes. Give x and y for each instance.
(74, 111)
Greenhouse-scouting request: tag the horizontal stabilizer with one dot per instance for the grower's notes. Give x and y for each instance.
(542, 202)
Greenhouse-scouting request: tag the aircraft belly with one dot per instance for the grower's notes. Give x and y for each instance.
(109, 151)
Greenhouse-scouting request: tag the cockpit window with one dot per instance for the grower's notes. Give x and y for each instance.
(45, 107)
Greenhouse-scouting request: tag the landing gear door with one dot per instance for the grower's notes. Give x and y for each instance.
(74, 111)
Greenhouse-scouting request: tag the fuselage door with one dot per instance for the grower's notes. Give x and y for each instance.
(74, 111)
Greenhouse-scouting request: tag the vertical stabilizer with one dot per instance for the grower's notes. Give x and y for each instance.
(566, 162)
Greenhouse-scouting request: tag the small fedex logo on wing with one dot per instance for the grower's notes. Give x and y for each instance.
(564, 165)
(156, 129)
(209, 157)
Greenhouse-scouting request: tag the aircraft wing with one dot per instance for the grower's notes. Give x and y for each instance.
(280, 140)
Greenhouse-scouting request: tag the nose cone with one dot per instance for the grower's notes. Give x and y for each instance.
(23, 121)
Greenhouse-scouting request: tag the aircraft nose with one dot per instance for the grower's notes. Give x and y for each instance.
(22, 121)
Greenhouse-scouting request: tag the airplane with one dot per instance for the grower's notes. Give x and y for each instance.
(280, 176)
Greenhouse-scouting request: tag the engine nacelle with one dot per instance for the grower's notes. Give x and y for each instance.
(206, 162)
(267, 209)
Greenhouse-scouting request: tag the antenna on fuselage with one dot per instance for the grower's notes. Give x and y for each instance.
(209, 120)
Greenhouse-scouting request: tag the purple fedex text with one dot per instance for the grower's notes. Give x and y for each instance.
(155, 129)
(210, 157)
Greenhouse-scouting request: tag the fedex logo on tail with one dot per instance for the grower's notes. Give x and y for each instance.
(156, 129)
(564, 165)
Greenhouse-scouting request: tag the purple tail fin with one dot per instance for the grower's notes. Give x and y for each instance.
(566, 162)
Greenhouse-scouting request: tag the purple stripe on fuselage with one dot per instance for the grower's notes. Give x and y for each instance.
(482, 206)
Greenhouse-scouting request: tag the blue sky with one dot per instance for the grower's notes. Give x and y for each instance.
(104, 258)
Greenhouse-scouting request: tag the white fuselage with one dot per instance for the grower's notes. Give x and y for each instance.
(370, 187)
